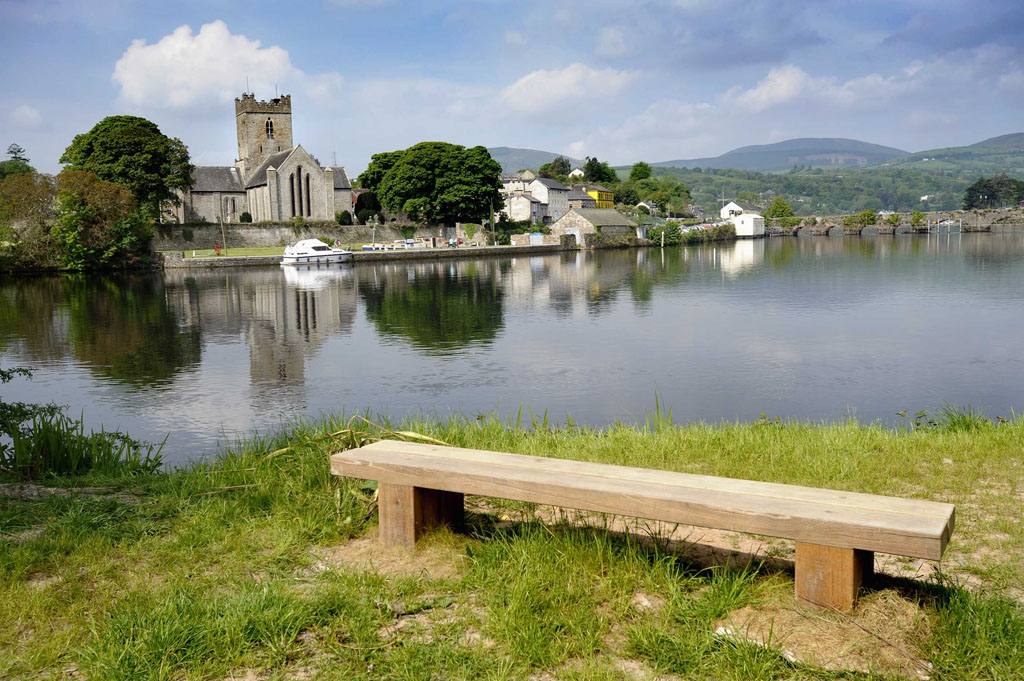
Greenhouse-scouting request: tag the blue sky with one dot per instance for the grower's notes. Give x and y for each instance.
(623, 81)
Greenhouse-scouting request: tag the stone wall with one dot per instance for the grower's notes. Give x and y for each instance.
(187, 237)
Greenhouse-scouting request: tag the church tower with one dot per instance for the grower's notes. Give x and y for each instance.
(264, 128)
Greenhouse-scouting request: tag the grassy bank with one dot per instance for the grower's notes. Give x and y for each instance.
(261, 565)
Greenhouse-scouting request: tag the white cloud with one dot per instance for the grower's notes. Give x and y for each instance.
(781, 85)
(611, 42)
(26, 117)
(184, 69)
(543, 91)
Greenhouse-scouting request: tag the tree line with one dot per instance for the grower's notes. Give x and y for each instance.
(99, 211)
(998, 191)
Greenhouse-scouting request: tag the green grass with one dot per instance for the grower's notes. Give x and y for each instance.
(219, 569)
(234, 252)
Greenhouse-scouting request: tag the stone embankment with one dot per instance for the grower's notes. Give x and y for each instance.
(963, 220)
(174, 259)
(246, 235)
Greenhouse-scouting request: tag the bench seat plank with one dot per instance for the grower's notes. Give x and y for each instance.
(825, 517)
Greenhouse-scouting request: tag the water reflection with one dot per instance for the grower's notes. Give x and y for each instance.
(800, 327)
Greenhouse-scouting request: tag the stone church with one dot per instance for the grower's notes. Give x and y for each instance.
(273, 180)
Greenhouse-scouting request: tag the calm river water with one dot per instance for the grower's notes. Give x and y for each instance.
(808, 328)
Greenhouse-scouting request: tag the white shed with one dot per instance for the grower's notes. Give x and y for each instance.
(748, 225)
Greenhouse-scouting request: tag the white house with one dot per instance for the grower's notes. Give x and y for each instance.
(521, 206)
(734, 208)
(576, 172)
(748, 225)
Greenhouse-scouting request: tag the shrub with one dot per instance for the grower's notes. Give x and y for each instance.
(471, 230)
(917, 218)
(343, 218)
(245, 217)
(673, 235)
(56, 444)
(365, 215)
(894, 219)
(409, 231)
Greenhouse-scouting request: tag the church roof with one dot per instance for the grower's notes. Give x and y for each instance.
(216, 179)
(259, 176)
(341, 178)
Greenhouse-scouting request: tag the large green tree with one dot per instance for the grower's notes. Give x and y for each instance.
(558, 168)
(132, 152)
(599, 171)
(438, 182)
(780, 208)
(641, 170)
(16, 163)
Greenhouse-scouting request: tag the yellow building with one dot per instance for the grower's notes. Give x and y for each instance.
(603, 197)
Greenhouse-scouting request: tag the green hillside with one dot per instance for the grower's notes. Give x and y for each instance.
(823, 192)
(1003, 154)
(513, 159)
(824, 152)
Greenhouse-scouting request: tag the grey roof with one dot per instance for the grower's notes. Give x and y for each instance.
(551, 183)
(259, 177)
(341, 178)
(745, 206)
(530, 197)
(216, 179)
(580, 195)
(604, 217)
(591, 187)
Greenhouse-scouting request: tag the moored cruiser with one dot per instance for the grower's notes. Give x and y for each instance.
(313, 251)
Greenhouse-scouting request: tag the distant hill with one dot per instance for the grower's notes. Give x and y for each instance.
(513, 159)
(816, 152)
(1003, 154)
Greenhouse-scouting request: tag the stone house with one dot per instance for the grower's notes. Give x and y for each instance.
(581, 199)
(582, 221)
(520, 207)
(552, 193)
(272, 179)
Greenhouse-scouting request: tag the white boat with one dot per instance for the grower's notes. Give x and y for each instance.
(310, 251)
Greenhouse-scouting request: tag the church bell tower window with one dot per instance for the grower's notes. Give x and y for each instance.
(270, 129)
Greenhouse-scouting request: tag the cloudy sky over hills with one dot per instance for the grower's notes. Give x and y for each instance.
(620, 80)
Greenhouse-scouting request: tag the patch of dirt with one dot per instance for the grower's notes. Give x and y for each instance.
(879, 637)
(28, 491)
(645, 602)
(430, 559)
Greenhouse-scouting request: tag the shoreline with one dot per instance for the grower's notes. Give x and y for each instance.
(262, 563)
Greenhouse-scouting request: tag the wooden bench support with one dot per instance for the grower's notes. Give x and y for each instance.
(831, 577)
(836, 532)
(407, 512)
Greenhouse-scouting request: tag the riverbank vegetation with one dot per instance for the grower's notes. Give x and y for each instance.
(99, 212)
(260, 564)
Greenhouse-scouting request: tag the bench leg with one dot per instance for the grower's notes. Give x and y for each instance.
(407, 512)
(831, 577)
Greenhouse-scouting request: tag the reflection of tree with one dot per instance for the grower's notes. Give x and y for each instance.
(122, 327)
(27, 308)
(436, 308)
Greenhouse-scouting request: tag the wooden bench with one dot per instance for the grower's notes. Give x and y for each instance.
(836, 533)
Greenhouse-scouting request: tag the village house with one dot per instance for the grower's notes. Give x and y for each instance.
(748, 223)
(603, 197)
(273, 179)
(581, 199)
(582, 221)
(577, 174)
(541, 200)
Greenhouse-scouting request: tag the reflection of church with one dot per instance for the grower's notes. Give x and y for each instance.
(272, 180)
(284, 323)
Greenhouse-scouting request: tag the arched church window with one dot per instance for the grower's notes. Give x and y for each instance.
(291, 182)
(308, 211)
(270, 129)
(298, 182)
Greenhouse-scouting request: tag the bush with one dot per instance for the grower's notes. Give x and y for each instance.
(343, 218)
(894, 219)
(409, 231)
(673, 235)
(245, 217)
(56, 444)
(365, 215)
